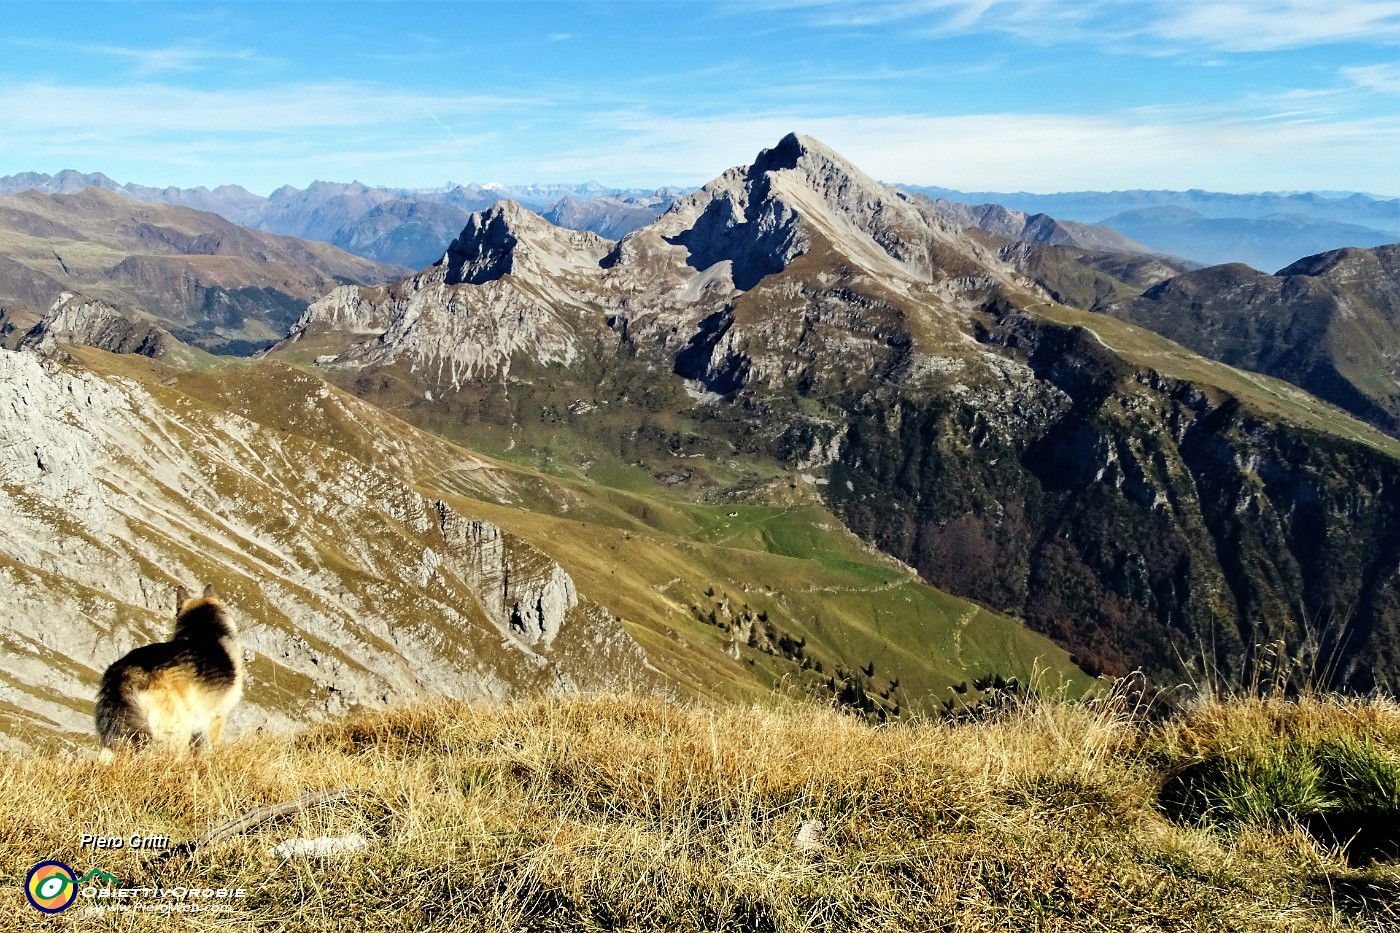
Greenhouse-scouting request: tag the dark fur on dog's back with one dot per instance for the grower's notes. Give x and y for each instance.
(190, 681)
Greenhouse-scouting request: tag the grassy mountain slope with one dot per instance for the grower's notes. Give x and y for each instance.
(666, 563)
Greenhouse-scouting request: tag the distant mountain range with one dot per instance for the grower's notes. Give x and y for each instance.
(1267, 231)
(209, 281)
(1266, 243)
(402, 226)
(411, 227)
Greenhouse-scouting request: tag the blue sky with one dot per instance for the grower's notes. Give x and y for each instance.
(1036, 95)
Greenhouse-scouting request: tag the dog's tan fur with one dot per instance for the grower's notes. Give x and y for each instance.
(175, 694)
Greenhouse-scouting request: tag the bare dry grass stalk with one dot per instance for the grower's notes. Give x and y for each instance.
(632, 813)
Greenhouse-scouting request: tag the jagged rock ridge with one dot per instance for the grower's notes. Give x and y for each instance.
(672, 281)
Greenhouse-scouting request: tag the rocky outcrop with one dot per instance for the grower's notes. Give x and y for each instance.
(526, 595)
(350, 309)
(507, 288)
(760, 217)
(446, 335)
(77, 320)
(507, 239)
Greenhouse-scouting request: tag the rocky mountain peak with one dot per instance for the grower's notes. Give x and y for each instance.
(493, 296)
(485, 249)
(760, 217)
(822, 164)
(506, 238)
(512, 285)
(787, 153)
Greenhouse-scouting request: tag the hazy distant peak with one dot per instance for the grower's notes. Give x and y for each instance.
(92, 195)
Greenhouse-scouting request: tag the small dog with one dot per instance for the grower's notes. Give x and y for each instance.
(176, 693)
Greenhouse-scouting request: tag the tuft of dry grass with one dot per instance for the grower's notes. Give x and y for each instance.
(1325, 765)
(636, 813)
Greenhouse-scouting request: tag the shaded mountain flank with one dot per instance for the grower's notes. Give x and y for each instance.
(1144, 506)
(1328, 323)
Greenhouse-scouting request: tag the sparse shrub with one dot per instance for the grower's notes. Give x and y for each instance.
(1000, 697)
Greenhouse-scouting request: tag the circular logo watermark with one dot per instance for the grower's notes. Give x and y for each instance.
(51, 887)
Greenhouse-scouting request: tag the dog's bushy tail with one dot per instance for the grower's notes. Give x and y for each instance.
(119, 717)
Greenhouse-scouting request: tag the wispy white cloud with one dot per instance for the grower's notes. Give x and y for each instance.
(143, 109)
(259, 138)
(955, 14)
(1384, 79)
(561, 36)
(170, 59)
(1271, 25)
(1010, 151)
(1042, 21)
(341, 130)
(1175, 26)
(874, 12)
(415, 56)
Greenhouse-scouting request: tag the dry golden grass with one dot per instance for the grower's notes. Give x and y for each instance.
(633, 813)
